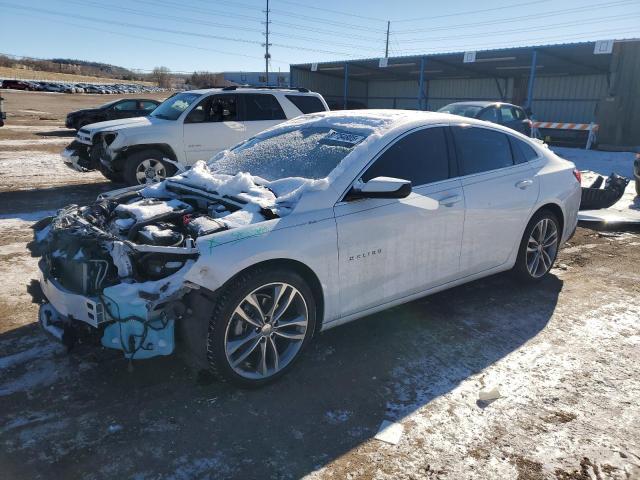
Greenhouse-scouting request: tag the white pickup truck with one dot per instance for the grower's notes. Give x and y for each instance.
(185, 128)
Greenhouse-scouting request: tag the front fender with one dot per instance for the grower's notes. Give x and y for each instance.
(310, 242)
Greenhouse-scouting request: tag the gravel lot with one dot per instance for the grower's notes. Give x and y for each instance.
(563, 357)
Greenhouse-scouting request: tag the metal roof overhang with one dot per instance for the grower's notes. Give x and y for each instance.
(562, 59)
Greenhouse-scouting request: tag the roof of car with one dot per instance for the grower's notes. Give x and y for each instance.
(379, 121)
(249, 90)
(483, 103)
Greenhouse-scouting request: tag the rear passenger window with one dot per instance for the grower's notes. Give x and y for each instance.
(306, 103)
(507, 114)
(262, 107)
(481, 149)
(421, 157)
(490, 115)
(521, 151)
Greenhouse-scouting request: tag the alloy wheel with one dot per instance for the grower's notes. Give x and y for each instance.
(266, 331)
(542, 247)
(150, 171)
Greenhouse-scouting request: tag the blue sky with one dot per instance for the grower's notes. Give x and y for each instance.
(217, 35)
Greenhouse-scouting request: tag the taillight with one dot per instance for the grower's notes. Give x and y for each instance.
(578, 175)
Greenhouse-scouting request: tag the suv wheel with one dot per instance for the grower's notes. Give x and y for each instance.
(538, 248)
(260, 325)
(146, 166)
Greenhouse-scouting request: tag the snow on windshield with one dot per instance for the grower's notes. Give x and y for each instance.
(307, 152)
(310, 146)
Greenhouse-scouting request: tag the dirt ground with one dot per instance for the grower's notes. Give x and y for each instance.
(562, 355)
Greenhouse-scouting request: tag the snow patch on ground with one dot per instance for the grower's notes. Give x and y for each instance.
(603, 163)
(34, 142)
(28, 167)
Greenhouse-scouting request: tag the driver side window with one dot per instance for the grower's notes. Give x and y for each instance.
(421, 157)
(217, 108)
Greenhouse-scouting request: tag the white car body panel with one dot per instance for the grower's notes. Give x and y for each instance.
(422, 245)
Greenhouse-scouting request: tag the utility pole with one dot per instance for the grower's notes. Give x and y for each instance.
(386, 48)
(267, 57)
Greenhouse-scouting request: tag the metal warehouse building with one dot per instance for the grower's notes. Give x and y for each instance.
(585, 82)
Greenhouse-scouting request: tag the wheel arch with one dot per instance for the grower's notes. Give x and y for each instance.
(556, 210)
(165, 148)
(304, 271)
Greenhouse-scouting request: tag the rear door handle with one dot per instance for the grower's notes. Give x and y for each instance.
(450, 201)
(522, 184)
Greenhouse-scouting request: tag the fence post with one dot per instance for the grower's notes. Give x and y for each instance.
(421, 85)
(532, 77)
(346, 85)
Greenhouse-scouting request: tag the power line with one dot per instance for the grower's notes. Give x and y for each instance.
(164, 16)
(516, 30)
(202, 11)
(172, 31)
(329, 10)
(299, 16)
(155, 40)
(522, 17)
(470, 12)
(527, 42)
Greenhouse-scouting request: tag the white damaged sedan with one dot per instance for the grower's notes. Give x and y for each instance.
(315, 222)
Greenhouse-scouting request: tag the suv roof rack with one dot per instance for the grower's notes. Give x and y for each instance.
(261, 87)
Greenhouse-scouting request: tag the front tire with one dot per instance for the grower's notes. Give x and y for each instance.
(146, 167)
(261, 323)
(538, 248)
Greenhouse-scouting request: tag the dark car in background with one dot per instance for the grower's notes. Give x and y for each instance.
(123, 108)
(506, 114)
(17, 85)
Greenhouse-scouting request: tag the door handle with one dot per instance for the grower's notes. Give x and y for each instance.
(522, 184)
(450, 201)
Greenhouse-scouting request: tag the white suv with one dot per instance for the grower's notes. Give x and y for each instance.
(185, 128)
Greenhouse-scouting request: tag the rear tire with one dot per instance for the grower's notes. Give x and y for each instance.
(538, 248)
(262, 342)
(146, 167)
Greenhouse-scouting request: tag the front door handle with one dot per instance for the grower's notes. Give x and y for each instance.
(450, 201)
(522, 184)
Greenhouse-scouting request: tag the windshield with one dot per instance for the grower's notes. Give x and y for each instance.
(172, 107)
(307, 152)
(108, 104)
(464, 110)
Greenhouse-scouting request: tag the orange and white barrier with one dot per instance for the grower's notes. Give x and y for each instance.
(592, 128)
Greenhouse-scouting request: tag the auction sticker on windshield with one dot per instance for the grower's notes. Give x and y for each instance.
(343, 138)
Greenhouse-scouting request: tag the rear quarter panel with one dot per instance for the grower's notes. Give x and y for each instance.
(559, 186)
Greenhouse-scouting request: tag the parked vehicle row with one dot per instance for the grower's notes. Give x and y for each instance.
(67, 87)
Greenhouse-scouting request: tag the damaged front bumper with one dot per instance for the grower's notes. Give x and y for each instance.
(139, 327)
(77, 156)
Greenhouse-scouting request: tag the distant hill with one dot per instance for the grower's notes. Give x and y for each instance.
(73, 67)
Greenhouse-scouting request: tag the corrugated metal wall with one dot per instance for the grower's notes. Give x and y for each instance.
(404, 93)
(611, 100)
(332, 88)
(619, 111)
(568, 98)
(443, 92)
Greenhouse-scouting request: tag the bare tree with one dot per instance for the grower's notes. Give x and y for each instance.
(162, 76)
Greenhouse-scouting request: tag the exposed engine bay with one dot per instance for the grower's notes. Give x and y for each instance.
(118, 264)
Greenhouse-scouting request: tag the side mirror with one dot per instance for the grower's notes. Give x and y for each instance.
(381, 187)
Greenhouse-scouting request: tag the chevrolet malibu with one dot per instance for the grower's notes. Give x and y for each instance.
(315, 222)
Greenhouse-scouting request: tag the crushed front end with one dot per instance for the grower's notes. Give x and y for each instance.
(115, 268)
